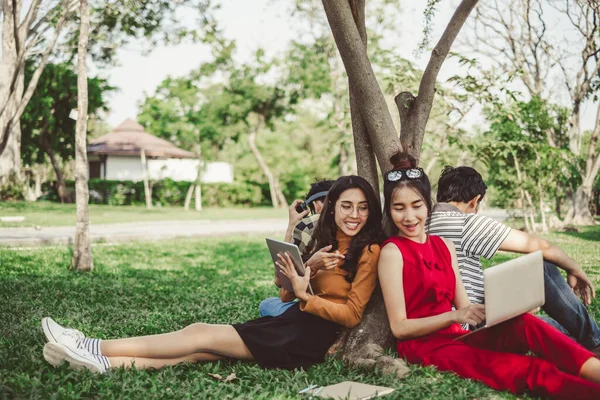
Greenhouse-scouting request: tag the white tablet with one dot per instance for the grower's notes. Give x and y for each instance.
(276, 247)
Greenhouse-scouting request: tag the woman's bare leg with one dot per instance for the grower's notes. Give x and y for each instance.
(146, 363)
(221, 340)
(590, 370)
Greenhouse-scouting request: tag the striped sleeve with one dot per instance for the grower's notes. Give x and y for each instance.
(482, 236)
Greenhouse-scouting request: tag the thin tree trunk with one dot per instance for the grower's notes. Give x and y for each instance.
(366, 162)
(188, 197)
(63, 194)
(579, 209)
(542, 208)
(198, 198)
(276, 195)
(528, 228)
(82, 251)
(147, 191)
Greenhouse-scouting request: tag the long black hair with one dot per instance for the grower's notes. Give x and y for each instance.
(325, 232)
(401, 162)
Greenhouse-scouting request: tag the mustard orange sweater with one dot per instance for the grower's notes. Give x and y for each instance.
(335, 298)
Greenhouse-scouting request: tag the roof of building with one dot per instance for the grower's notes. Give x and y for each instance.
(129, 138)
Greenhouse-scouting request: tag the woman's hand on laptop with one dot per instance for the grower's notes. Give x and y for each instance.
(322, 259)
(473, 314)
(581, 285)
(299, 283)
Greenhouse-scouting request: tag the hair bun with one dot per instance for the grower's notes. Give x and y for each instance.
(403, 160)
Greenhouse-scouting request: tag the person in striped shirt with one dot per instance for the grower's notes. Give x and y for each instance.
(460, 191)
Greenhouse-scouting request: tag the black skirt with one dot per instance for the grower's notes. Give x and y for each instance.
(295, 339)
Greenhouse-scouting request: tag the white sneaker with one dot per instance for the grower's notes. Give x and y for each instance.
(79, 359)
(58, 334)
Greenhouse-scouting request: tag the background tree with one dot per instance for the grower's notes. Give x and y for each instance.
(524, 170)
(47, 24)
(520, 38)
(46, 129)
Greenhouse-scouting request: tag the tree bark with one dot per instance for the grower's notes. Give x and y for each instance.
(370, 101)
(579, 212)
(62, 191)
(147, 191)
(82, 252)
(365, 156)
(188, 197)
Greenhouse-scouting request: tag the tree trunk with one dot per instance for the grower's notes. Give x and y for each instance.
(11, 80)
(82, 252)
(198, 198)
(579, 210)
(188, 197)
(147, 191)
(365, 155)
(542, 209)
(275, 191)
(371, 103)
(62, 191)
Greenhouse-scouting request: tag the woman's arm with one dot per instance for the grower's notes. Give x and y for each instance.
(390, 277)
(461, 299)
(350, 313)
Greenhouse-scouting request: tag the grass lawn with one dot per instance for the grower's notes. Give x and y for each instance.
(147, 288)
(56, 214)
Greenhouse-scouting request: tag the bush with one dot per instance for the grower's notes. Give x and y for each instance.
(13, 188)
(170, 192)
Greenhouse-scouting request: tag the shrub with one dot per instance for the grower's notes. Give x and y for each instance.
(170, 192)
(13, 188)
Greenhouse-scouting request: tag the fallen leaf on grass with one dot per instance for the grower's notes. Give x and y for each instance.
(220, 378)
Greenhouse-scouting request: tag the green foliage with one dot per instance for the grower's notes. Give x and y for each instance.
(46, 117)
(116, 23)
(168, 192)
(517, 142)
(151, 288)
(12, 188)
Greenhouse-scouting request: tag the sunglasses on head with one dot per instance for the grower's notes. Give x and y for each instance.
(400, 174)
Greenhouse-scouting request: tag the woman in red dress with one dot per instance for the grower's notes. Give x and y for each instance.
(426, 305)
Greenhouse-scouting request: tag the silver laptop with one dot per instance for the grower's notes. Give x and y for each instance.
(512, 288)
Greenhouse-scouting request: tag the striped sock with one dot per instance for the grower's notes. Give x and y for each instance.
(91, 345)
(102, 360)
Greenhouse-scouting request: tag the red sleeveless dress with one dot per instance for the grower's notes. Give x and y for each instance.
(428, 279)
(495, 356)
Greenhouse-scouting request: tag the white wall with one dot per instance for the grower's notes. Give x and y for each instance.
(130, 168)
(124, 168)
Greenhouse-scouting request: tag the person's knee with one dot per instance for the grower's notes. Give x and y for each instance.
(195, 329)
(269, 307)
(263, 307)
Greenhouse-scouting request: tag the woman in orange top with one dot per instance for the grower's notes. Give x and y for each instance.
(350, 222)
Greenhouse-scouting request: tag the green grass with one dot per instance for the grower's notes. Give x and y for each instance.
(56, 214)
(148, 288)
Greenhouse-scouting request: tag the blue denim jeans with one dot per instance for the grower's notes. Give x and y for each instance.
(273, 307)
(567, 313)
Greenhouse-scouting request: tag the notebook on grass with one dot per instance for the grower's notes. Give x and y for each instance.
(349, 390)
